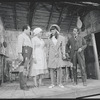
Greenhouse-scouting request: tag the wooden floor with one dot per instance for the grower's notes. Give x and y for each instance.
(12, 90)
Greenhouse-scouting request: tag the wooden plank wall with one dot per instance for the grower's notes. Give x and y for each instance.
(11, 39)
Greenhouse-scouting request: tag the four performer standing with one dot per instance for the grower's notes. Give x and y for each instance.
(33, 50)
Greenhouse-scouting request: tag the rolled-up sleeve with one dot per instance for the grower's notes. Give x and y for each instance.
(20, 43)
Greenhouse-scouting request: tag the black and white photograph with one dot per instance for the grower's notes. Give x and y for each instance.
(49, 49)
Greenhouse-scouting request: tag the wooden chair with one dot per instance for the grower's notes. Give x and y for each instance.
(14, 70)
(68, 72)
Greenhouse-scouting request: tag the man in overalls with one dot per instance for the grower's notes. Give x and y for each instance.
(24, 55)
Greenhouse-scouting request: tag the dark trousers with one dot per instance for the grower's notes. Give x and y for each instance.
(22, 80)
(79, 58)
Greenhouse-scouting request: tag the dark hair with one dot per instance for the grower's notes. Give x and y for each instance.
(56, 35)
(25, 27)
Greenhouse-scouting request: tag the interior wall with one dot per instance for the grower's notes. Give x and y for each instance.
(11, 39)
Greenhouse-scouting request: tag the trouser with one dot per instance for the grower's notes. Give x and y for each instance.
(26, 53)
(79, 58)
(58, 75)
(22, 80)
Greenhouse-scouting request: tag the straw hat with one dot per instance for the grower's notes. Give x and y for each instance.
(37, 30)
(56, 26)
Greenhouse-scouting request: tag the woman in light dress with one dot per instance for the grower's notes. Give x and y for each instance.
(39, 64)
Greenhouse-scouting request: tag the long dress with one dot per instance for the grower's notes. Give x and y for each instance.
(40, 67)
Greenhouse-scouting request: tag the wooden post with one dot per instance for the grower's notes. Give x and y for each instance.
(96, 57)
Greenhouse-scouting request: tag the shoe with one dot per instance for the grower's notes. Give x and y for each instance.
(51, 86)
(25, 88)
(84, 84)
(74, 83)
(41, 84)
(60, 85)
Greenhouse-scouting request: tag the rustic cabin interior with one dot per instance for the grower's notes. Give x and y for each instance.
(67, 14)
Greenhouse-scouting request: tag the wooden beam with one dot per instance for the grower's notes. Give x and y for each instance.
(57, 7)
(45, 7)
(32, 6)
(60, 16)
(50, 17)
(15, 15)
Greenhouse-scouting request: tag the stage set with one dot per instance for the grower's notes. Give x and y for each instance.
(67, 15)
(12, 90)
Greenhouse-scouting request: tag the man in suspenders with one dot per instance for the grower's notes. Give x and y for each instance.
(24, 55)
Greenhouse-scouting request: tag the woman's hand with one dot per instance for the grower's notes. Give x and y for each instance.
(20, 57)
(67, 55)
(34, 60)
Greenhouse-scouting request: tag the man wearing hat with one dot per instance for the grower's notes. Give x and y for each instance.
(55, 55)
(24, 55)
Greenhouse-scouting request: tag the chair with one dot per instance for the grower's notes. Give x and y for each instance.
(14, 70)
(67, 71)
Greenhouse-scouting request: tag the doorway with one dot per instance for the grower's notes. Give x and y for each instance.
(90, 58)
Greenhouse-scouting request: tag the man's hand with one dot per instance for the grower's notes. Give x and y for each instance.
(64, 57)
(67, 55)
(80, 49)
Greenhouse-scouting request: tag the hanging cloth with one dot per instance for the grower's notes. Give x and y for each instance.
(79, 23)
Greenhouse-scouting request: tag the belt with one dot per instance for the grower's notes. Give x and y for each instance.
(75, 50)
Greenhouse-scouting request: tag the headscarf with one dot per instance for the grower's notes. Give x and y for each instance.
(37, 30)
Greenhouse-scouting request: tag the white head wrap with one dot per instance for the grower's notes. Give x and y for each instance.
(37, 30)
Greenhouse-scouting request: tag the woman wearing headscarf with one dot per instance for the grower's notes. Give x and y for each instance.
(39, 65)
(56, 54)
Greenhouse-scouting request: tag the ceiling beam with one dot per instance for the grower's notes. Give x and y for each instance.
(45, 7)
(50, 16)
(77, 4)
(60, 16)
(56, 6)
(32, 6)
